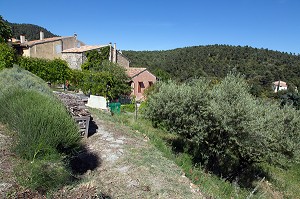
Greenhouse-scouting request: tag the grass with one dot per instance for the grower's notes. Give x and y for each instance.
(42, 124)
(283, 183)
(44, 133)
(19, 78)
(43, 175)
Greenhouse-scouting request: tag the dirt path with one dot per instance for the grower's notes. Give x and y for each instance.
(6, 162)
(130, 167)
(117, 163)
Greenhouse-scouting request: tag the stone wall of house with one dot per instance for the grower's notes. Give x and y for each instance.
(122, 60)
(70, 42)
(52, 49)
(48, 50)
(74, 60)
(142, 82)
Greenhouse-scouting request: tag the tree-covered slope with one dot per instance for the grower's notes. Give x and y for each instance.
(32, 32)
(260, 66)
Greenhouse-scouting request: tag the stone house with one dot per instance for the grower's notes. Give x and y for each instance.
(74, 52)
(48, 48)
(77, 56)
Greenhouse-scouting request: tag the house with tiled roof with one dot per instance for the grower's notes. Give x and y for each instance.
(47, 48)
(141, 79)
(74, 53)
(279, 85)
(77, 56)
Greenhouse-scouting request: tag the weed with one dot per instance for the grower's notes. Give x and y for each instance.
(42, 175)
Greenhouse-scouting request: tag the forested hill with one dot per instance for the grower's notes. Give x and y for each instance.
(260, 66)
(32, 32)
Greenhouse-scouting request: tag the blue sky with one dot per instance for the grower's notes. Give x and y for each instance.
(166, 24)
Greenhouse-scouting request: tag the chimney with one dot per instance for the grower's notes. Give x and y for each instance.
(76, 45)
(42, 36)
(110, 53)
(115, 53)
(22, 38)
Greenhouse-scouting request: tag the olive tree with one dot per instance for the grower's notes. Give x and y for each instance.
(229, 129)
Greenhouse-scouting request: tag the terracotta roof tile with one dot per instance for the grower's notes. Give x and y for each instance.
(132, 72)
(34, 42)
(83, 49)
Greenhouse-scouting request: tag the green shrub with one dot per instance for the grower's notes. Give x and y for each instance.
(225, 127)
(17, 77)
(42, 124)
(110, 82)
(180, 108)
(7, 56)
(45, 134)
(128, 108)
(54, 71)
(76, 79)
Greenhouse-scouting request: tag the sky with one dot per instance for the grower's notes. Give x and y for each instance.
(166, 24)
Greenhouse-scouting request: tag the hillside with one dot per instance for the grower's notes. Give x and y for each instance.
(32, 32)
(260, 66)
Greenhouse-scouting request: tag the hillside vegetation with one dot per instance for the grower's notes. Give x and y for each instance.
(260, 66)
(31, 31)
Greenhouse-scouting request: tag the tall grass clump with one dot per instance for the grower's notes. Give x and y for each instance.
(44, 133)
(17, 77)
(42, 124)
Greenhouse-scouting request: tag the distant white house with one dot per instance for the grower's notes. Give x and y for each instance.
(279, 85)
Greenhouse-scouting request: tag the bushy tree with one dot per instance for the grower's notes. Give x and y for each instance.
(5, 31)
(229, 129)
(102, 77)
(180, 108)
(7, 56)
(59, 71)
(54, 71)
(111, 81)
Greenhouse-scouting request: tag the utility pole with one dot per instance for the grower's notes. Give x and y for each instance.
(136, 110)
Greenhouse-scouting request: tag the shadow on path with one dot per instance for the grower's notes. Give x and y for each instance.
(92, 127)
(83, 161)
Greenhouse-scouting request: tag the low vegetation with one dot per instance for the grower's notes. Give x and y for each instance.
(53, 71)
(17, 77)
(269, 181)
(44, 133)
(224, 127)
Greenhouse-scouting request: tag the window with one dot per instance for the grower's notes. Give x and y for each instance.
(140, 87)
(150, 83)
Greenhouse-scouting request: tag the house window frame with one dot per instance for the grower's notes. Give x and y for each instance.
(140, 87)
